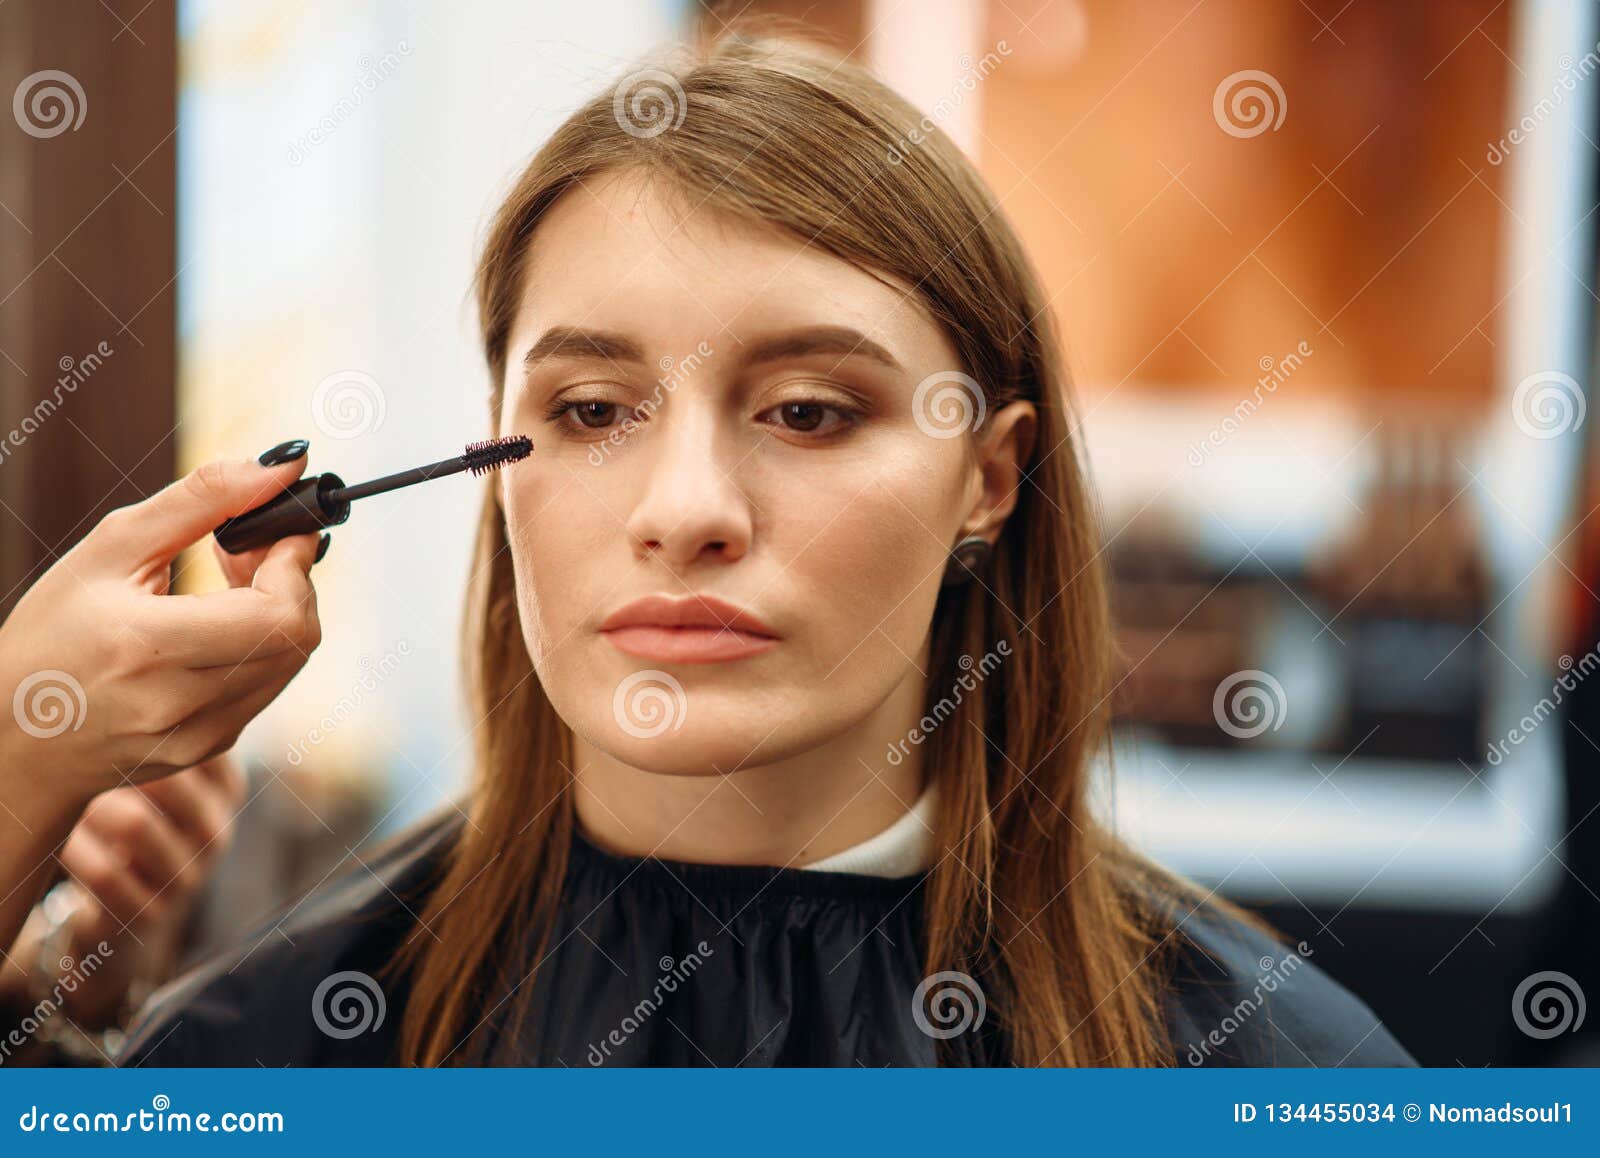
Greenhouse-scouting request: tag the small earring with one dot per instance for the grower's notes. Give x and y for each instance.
(968, 557)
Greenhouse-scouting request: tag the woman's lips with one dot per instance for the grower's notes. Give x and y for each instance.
(695, 629)
(688, 644)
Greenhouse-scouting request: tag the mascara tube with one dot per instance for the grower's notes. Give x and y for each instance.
(307, 506)
(319, 501)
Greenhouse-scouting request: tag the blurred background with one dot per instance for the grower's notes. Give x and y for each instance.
(1325, 269)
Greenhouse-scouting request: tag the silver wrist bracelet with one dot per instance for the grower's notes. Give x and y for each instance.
(52, 965)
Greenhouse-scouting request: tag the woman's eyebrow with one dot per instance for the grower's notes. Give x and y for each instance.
(577, 343)
(841, 340)
(574, 342)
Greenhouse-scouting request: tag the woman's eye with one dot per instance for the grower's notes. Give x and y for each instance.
(811, 417)
(595, 415)
(802, 417)
(590, 414)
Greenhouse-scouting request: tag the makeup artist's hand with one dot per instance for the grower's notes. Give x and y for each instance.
(137, 860)
(112, 679)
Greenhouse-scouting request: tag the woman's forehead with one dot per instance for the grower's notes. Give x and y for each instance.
(618, 256)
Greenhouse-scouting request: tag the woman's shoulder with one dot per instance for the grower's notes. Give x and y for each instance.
(1241, 997)
(307, 986)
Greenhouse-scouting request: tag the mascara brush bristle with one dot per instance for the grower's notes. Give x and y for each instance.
(494, 453)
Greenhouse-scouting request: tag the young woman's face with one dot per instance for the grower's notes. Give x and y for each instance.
(722, 412)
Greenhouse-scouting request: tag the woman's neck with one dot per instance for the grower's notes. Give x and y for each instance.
(788, 813)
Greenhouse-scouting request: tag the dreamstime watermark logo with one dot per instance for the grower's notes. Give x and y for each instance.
(947, 1004)
(348, 1004)
(1548, 404)
(947, 403)
(155, 1120)
(74, 373)
(647, 703)
(372, 674)
(370, 74)
(1273, 974)
(1274, 373)
(348, 404)
(1545, 708)
(944, 108)
(673, 974)
(945, 708)
(1249, 703)
(48, 703)
(673, 374)
(649, 102)
(1548, 1004)
(48, 103)
(69, 976)
(1567, 82)
(1248, 103)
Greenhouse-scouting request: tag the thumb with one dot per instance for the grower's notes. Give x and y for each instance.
(158, 528)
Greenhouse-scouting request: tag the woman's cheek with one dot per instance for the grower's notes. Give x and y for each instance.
(544, 564)
(863, 571)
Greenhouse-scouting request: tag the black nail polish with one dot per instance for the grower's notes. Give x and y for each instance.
(322, 547)
(284, 452)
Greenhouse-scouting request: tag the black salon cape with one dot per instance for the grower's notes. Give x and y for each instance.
(664, 963)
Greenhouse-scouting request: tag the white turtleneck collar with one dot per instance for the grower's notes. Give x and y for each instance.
(903, 849)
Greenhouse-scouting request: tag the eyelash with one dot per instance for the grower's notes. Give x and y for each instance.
(557, 413)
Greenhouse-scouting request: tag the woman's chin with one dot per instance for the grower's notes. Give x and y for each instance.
(706, 747)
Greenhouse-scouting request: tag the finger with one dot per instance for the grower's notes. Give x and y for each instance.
(198, 806)
(223, 628)
(184, 512)
(285, 577)
(286, 571)
(238, 569)
(229, 681)
(137, 831)
(102, 874)
(93, 921)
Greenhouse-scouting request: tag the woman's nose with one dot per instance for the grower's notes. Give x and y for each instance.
(690, 505)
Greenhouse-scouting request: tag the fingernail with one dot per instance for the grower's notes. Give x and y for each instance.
(322, 547)
(284, 452)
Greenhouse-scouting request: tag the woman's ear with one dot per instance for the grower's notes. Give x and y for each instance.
(1005, 447)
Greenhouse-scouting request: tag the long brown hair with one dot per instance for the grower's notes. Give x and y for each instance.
(1067, 927)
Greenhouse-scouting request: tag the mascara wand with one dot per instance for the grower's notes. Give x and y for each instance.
(323, 500)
